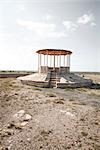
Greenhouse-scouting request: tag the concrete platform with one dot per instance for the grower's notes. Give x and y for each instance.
(53, 79)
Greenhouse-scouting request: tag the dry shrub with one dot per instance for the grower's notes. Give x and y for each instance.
(51, 95)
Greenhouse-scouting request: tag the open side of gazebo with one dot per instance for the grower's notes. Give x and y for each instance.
(57, 60)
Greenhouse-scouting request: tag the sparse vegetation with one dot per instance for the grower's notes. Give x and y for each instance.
(84, 133)
(45, 132)
(69, 89)
(51, 95)
(37, 88)
(71, 99)
(58, 101)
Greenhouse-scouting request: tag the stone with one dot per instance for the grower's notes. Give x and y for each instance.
(23, 123)
(10, 125)
(19, 114)
(6, 133)
(27, 117)
(18, 126)
(67, 113)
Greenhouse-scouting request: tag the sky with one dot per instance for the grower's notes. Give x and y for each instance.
(29, 25)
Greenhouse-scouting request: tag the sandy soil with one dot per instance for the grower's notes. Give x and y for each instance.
(48, 119)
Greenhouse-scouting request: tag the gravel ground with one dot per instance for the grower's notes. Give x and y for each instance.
(34, 118)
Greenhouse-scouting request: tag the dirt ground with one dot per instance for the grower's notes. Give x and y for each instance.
(34, 118)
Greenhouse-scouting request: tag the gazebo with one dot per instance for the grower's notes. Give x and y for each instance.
(54, 71)
(57, 60)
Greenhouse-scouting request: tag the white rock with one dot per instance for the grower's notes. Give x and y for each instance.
(28, 139)
(19, 114)
(67, 113)
(9, 147)
(24, 123)
(27, 117)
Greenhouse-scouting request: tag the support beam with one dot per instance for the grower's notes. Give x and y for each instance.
(67, 60)
(64, 61)
(57, 60)
(38, 62)
(47, 59)
(54, 62)
(60, 61)
(50, 60)
(44, 60)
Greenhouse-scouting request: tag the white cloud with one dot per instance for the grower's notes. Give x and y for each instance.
(55, 34)
(86, 19)
(42, 29)
(37, 26)
(48, 17)
(70, 26)
(21, 7)
(83, 20)
(93, 24)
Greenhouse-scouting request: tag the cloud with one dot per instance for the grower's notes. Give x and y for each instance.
(42, 29)
(48, 17)
(55, 34)
(36, 25)
(83, 20)
(93, 24)
(70, 26)
(21, 7)
(86, 19)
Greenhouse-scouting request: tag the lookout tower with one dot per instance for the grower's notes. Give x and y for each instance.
(56, 60)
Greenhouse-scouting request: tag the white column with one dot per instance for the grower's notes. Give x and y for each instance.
(44, 60)
(54, 62)
(40, 64)
(57, 60)
(67, 60)
(47, 59)
(64, 61)
(50, 60)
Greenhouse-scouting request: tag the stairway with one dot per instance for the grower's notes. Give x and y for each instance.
(53, 79)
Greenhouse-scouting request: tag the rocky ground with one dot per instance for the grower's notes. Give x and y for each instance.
(34, 118)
